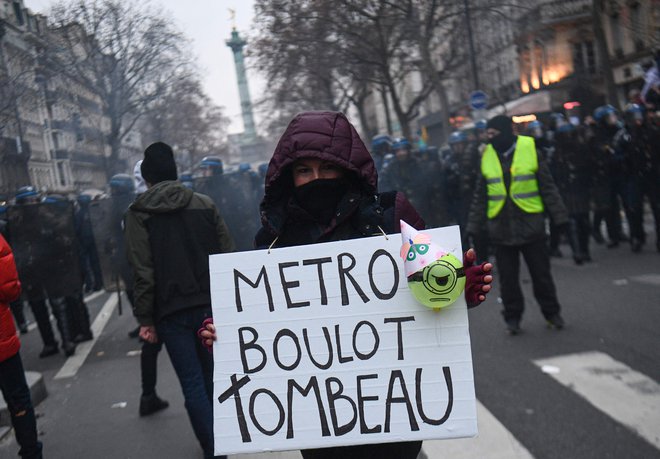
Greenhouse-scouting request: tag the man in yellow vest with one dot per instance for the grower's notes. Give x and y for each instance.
(513, 192)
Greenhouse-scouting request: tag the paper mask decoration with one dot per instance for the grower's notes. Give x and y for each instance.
(436, 278)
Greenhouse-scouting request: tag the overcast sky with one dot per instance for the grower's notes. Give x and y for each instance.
(207, 24)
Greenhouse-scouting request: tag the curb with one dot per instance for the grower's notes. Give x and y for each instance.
(38, 393)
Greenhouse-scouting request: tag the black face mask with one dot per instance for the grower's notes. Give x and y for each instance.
(320, 197)
(502, 142)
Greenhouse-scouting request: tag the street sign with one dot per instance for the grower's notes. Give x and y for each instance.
(478, 100)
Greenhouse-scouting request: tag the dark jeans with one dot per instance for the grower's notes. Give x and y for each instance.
(193, 365)
(538, 262)
(17, 395)
(149, 366)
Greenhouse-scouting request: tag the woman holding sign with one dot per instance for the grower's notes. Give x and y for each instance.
(321, 186)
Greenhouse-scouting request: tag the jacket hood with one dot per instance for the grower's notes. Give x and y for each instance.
(164, 197)
(325, 135)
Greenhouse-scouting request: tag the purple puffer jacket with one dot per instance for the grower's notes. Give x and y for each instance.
(331, 137)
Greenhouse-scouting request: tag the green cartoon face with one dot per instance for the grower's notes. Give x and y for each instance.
(415, 249)
(438, 284)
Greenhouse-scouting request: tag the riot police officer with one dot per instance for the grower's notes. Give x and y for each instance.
(571, 174)
(612, 178)
(381, 145)
(44, 242)
(645, 167)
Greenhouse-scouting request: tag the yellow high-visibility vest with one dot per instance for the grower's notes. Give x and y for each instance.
(524, 189)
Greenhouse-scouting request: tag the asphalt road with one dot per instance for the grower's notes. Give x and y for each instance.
(610, 306)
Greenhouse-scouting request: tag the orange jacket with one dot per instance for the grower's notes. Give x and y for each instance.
(10, 289)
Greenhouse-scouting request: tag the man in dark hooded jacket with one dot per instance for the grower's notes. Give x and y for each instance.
(514, 189)
(170, 232)
(320, 187)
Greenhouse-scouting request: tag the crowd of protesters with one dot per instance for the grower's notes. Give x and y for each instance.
(513, 190)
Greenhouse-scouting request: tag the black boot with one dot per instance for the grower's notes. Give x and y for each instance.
(79, 318)
(42, 316)
(48, 350)
(150, 404)
(61, 314)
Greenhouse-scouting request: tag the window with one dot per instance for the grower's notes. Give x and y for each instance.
(18, 12)
(616, 34)
(636, 26)
(584, 57)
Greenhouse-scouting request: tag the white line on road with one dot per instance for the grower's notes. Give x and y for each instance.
(73, 363)
(94, 295)
(494, 442)
(628, 396)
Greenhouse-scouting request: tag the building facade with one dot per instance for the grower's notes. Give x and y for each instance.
(535, 60)
(53, 133)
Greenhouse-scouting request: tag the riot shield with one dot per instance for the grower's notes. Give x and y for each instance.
(106, 216)
(45, 246)
(233, 195)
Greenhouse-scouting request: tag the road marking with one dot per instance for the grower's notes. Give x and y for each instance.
(73, 363)
(629, 397)
(651, 279)
(95, 295)
(494, 442)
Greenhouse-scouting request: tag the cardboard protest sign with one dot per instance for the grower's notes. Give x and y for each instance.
(324, 345)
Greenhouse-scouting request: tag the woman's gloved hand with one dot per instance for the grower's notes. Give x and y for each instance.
(207, 334)
(477, 279)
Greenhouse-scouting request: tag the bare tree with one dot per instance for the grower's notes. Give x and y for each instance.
(127, 55)
(187, 119)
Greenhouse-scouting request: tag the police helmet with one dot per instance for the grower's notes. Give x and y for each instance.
(262, 169)
(536, 124)
(244, 167)
(566, 127)
(401, 144)
(84, 198)
(634, 108)
(603, 111)
(54, 198)
(381, 142)
(481, 125)
(213, 163)
(457, 137)
(121, 184)
(24, 193)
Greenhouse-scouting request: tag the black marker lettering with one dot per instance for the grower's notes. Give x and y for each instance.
(399, 335)
(397, 375)
(319, 264)
(344, 273)
(286, 285)
(250, 345)
(313, 384)
(450, 397)
(332, 398)
(374, 332)
(380, 295)
(280, 409)
(237, 291)
(276, 353)
(360, 400)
